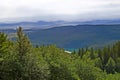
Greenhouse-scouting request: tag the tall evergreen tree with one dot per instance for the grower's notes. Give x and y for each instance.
(22, 51)
(23, 44)
(92, 55)
(80, 53)
(100, 54)
(29, 64)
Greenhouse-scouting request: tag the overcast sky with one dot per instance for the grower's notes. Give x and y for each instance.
(51, 10)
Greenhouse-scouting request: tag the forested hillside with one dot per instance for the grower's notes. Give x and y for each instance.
(72, 37)
(19, 60)
(77, 36)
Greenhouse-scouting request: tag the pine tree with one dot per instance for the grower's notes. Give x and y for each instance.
(98, 63)
(110, 66)
(118, 48)
(92, 55)
(100, 54)
(117, 69)
(29, 64)
(4, 53)
(23, 43)
(74, 52)
(22, 49)
(80, 53)
(4, 44)
(105, 55)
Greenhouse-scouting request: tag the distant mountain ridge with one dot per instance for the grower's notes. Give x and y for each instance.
(50, 24)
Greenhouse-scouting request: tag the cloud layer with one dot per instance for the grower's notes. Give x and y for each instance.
(69, 10)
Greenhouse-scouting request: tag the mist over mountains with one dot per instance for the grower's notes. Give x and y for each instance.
(50, 24)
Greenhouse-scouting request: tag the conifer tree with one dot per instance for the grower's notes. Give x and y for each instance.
(74, 52)
(117, 69)
(118, 48)
(80, 53)
(98, 63)
(92, 56)
(100, 54)
(22, 49)
(4, 44)
(4, 52)
(110, 66)
(23, 44)
(29, 64)
(105, 55)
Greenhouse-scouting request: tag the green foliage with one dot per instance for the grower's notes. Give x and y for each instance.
(22, 50)
(92, 55)
(87, 72)
(19, 60)
(4, 44)
(117, 65)
(60, 63)
(113, 77)
(4, 52)
(98, 63)
(110, 66)
(23, 44)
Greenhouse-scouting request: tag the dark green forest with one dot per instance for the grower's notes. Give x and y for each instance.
(20, 60)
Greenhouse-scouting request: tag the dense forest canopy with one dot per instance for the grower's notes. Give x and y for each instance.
(19, 60)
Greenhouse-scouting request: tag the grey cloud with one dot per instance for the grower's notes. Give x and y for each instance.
(33, 10)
